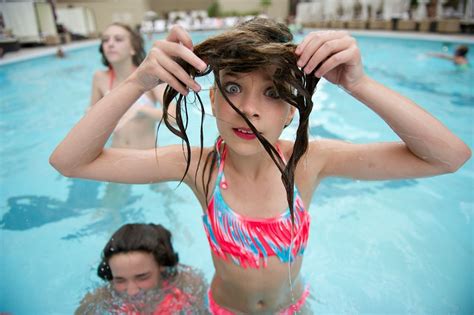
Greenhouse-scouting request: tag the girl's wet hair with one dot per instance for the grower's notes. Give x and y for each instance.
(256, 44)
(137, 43)
(149, 238)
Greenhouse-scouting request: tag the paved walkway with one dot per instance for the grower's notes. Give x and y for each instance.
(33, 52)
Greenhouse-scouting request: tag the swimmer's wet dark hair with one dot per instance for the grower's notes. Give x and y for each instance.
(461, 51)
(149, 238)
(137, 43)
(259, 43)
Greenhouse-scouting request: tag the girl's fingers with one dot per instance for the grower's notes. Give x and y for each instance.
(177, 50)
(334, 61)
(175, 70)
(327, 49)
(301, 47)
(312, 42)
(179, 35)
(172, 81)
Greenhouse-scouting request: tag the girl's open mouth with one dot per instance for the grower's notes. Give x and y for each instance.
(244, 133)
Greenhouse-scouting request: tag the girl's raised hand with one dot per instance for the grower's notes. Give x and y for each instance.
(159, 65)
(334, 54)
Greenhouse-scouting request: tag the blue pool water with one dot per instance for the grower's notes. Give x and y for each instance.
(375, 247)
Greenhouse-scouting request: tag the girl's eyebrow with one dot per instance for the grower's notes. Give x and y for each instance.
(238, 75)
(118, 278)
(143, 274)
(232, 74)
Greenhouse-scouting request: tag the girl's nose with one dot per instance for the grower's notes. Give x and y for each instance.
(248, 107)
(132, 289)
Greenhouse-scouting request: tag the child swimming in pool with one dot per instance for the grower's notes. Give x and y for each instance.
(459, 58)
(249, 177)
(122, 51)
(142, 268)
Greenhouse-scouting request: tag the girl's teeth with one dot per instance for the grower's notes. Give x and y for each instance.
(245, 131)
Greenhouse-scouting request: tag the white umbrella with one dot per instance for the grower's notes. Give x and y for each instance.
(150, 15)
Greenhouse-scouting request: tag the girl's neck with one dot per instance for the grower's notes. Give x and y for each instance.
(122, 70)
(251, 167)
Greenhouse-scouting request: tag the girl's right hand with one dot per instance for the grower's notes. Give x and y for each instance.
(160, 66)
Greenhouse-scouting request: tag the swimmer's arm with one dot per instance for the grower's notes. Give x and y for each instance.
(82, 154)
(428, 148)
(442, 56)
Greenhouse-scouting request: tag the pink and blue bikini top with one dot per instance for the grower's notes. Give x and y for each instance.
(248, 240)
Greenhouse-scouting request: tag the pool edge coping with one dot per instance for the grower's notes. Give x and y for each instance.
(37, 52)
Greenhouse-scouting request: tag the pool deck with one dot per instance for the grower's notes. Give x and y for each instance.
(34, 52)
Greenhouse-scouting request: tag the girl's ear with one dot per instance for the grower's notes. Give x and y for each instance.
(212, 95)
(290, 116)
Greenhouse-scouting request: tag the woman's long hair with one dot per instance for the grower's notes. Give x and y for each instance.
(255, 44)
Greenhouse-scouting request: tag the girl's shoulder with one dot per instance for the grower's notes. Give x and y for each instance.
(102, 74)
(317, 148)
(93, 300)
(101, 79)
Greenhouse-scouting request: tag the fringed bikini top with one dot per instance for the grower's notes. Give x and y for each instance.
(247, 240)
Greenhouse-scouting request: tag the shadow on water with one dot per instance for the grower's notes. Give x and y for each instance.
(105, 213)
(112, 212)
(30, 211)
(456, 98)
(322, 132)
(334, 188)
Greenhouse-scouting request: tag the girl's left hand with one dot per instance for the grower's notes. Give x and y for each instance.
(337, 55)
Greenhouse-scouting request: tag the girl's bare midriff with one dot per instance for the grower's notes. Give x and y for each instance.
(137, 133)
(265, 290)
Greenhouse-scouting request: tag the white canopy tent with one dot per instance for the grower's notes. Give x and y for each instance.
(29, 21)
(77, 20)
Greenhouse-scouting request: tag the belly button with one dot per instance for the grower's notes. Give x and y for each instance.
(260, 304)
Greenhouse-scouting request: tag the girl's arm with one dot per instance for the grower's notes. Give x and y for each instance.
(428, 147)
(442, 56)
(82, 153)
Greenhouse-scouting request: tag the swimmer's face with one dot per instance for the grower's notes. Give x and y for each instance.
(134, 271)
(255, 95)
(116, 44)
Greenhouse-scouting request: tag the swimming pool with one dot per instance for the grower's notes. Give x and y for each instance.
(375, 247)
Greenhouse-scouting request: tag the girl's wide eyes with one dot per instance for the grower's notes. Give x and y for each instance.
(271, 92)
(232, 88)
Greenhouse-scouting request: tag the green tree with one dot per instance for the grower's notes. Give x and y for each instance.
(214, 9)
(265, 4)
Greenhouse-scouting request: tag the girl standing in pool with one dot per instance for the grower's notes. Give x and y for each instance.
(122, 51)
(261, 79)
